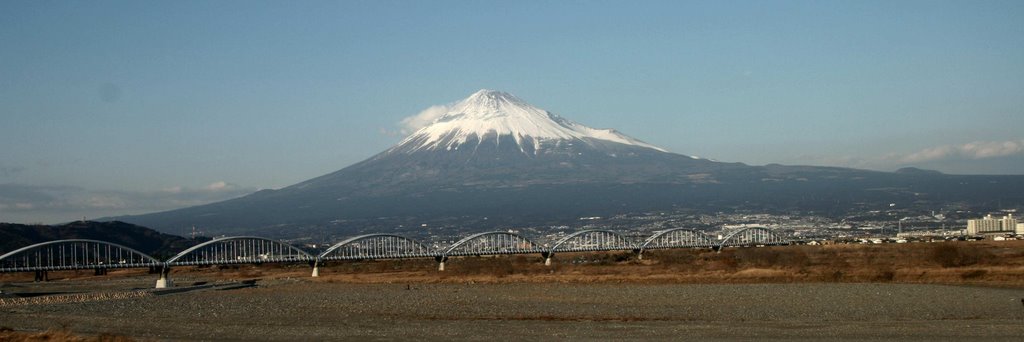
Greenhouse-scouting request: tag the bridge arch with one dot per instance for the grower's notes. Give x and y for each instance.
(592, 240)
(680, 237)
(71, 254)
(240, 250)
(492, 243)
(753, 235)
(377, 246)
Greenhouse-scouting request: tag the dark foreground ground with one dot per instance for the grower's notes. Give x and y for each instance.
(306, 309)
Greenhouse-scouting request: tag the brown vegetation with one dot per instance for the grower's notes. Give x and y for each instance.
(7, 334)
(978, 263)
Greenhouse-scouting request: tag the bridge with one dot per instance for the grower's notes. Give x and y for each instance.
(84, 254)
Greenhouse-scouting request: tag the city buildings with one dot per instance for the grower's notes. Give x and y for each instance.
(990, 225)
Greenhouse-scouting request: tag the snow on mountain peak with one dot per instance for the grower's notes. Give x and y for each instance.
(493, 99)
(490, 114)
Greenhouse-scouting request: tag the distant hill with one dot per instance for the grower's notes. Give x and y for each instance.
(917, 171)
(156, 244)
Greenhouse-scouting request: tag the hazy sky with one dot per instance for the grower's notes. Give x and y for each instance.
(113, 107)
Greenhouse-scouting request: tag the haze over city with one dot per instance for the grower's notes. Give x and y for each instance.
(113, 108)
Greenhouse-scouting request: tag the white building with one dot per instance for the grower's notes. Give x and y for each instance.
(991, 225)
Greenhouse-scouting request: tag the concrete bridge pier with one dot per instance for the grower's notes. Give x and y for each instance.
(100, 271)
(316, 269)
(547, 258)
(440, 262)
(165, 279)
(42, 276)
(639, 254)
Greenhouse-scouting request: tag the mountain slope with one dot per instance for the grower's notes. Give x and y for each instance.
(492, 160)
(153, 243)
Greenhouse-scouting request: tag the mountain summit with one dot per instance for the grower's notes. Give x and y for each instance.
(494, 139)
(490, 115)
(494, 161)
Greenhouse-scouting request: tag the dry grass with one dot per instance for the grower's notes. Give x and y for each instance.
(976, 263)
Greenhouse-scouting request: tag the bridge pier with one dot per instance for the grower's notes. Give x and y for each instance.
(165, 279)
(99, 271)
(547, 258)
(440, 262)
(639, 254)
(42, 276)
(316, 269)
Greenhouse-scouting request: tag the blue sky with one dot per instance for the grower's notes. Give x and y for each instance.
(116, 107)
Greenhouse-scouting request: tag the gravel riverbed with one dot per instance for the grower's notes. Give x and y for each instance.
(314, 310)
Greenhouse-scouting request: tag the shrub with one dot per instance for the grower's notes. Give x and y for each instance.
(955, 255)
(885, 275)
(974, 274)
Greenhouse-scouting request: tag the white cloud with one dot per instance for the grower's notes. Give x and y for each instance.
(218, 186)
(979, 157)
(106, 202)
(10, 171)
(389, 132)
(973, 150)
(424, 118)
(31, 203)
(979, 150)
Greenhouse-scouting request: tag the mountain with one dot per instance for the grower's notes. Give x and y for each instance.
(153, 243)
(493, 160)
(494, 115)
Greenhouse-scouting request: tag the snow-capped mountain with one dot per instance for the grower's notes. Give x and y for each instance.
(494, 161)
(489, 115)
(493, 138)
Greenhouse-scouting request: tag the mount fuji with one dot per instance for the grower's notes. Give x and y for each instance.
(492, 160)
(494, 115)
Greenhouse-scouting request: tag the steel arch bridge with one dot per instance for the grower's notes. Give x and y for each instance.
(676, 238)
(753, 236)
(377, 246)
(77, 254)
(492, 243)
(592, 240)
(239, 250)
(74, 254)
(489, 243)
